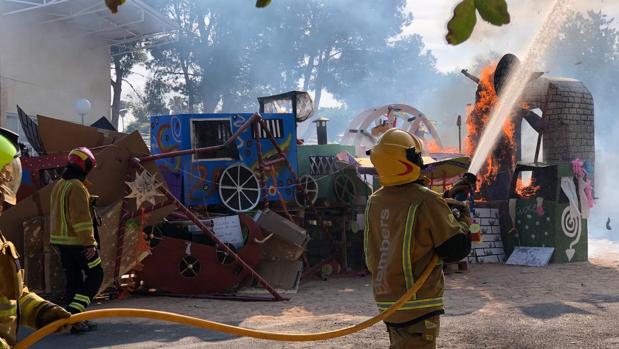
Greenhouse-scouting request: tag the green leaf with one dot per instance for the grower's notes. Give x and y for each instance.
(262, 3)
(462, 23)
(493, 11)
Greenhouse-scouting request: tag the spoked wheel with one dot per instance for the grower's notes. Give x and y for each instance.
(307, 192)
(239, 189)
(345, 190)
(189, 266)
(224, 257)
(153, 236)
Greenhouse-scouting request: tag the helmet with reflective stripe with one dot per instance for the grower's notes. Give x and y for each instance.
(397, 157)
(83, 158)
(10, 166)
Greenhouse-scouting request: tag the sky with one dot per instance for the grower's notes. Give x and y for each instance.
(430, 21)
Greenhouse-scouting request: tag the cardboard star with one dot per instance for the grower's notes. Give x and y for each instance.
(144, 189)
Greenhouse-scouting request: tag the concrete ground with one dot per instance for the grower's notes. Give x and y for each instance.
(492, 306)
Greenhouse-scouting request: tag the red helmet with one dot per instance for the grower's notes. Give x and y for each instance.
(83, 158)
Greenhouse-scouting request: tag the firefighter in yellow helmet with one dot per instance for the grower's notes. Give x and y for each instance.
(406, 225)
(73, 234)
(18, 306)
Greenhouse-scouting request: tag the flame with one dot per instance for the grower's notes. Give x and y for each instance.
(525, 189)
(432, 147)
(477, 119)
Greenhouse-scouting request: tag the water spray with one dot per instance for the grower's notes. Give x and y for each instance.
(517, 81)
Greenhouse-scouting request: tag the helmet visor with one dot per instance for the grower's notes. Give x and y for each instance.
(10, 180)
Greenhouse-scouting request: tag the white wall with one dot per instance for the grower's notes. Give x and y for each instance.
(45, 68)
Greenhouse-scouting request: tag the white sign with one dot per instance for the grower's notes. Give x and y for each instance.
(531, 256)
(227, 229)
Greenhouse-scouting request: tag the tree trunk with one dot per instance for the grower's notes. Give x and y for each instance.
(191, 98)
(307, 75)
(318, 84)
(117, 86)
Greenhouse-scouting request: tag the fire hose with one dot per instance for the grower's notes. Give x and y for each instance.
(220, 327)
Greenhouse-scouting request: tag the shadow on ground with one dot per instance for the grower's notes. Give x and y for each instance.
(130, 333)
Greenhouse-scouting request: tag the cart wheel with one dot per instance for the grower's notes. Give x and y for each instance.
(307, 192)
(222, 256)
(189, 266)
(345, 190)
(239, 189)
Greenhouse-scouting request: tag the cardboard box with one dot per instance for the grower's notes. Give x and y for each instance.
(281, 274)
(272, 222)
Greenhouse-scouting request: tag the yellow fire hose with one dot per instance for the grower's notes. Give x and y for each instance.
(219, 327)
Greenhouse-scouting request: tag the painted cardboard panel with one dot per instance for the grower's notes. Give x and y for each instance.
(201, 176)
(53, 133)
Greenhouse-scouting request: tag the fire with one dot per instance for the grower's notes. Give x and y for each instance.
(503, 159)
(525, 189)
(432, 147)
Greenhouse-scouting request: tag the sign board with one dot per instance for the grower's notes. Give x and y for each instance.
(227, 229)
(531, 256)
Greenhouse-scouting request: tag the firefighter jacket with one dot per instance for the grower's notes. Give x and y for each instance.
(71, 220)
(17, 304)
(404, 225)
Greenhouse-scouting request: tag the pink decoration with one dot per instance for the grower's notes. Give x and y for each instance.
(540, 211)
(578, 168)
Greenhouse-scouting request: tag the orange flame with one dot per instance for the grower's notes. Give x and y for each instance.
(433, 147)
(525, 189)
(477, 119)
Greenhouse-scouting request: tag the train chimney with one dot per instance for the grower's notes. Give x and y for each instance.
(321, 129)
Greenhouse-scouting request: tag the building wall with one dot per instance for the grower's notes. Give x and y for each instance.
(45, 68)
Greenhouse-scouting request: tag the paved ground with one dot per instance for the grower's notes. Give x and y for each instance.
(493, 306)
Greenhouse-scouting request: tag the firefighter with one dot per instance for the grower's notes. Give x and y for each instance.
(463, 188)
(407, 224)
(73, 235)
(18, 306)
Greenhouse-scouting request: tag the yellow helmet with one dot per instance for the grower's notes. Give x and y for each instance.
(10, 166)
(397, 157)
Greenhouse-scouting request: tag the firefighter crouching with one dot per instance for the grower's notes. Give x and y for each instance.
(407, 224)
(73, 235)
(18, 306)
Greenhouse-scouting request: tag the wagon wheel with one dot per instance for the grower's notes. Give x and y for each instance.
(153, 237)
(224, 257)
(189, 266)
(345, 190)
(239, 189)
(307, 191)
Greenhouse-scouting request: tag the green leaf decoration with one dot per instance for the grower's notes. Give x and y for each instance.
(262, 3)
(462, 23)
(493, 11)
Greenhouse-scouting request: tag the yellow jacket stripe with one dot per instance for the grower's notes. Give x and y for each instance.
(407, 266)
(416, 304)
(8, 307)
(365, 230)
(63, 215)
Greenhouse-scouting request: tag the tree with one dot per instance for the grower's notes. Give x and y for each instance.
(152, 103)
(123, 59)
(587, 50)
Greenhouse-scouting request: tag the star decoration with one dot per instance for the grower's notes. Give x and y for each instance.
(144, 189)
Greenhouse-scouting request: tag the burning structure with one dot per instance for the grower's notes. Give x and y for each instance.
(532, 197)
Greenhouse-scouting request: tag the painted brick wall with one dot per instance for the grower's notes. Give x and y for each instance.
(490, 249)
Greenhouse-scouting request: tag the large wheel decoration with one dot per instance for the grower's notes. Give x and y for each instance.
(345, 190)
(153, 236)
(239, 189)
(307, 192)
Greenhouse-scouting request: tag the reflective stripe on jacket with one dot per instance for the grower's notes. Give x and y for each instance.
(71, 221)
(17, 304)
(404, 224)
